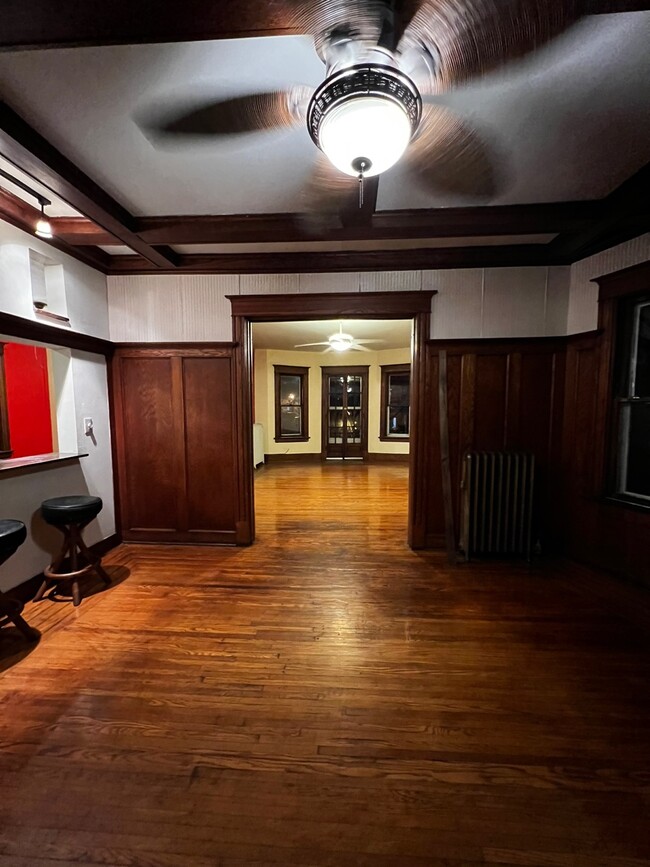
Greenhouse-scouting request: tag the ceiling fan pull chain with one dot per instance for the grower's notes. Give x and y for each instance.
(361, 170)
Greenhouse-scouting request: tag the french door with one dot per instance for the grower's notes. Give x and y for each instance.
(345, 412)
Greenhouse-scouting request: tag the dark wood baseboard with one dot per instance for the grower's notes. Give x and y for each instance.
(27, 590)
(308, 458)
(386, 458)
(317, 458)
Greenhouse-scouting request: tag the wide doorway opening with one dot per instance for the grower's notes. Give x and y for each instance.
(331, 423)
(297, 417)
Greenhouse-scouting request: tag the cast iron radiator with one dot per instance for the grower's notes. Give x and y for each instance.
(497, 503)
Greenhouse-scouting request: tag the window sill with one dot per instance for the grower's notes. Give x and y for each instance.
(291, 439)
(35, 461)
(385, 439)
(633, 505)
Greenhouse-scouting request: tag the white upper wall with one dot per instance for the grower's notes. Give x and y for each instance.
(24, 490)
(85, 288)
(583, 295)
(471, 302)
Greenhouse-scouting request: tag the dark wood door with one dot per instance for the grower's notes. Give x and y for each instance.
(345, 412)
(174, 444)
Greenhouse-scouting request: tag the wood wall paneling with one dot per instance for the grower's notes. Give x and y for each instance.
(150, 462)
(597, 530)
(501, 395)
(174, 430)
(207, 392)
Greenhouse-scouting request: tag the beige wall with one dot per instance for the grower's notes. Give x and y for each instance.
(265, 396)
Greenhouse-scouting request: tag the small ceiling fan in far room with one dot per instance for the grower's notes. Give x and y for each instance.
(386, 63)
(340, 341)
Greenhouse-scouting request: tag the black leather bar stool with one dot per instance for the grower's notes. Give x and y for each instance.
(71, 515)
(12, 536)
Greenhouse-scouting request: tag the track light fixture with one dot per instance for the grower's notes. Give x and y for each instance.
(43, 228)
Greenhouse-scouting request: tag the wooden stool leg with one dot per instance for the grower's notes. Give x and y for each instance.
(76, 593)
(21, 624)
(11, 610)
(58, 560)
(91, 558)
(41, 590)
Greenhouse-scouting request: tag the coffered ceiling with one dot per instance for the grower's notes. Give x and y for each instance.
(566, 131)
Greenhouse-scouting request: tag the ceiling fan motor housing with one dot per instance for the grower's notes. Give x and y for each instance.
(365, 112)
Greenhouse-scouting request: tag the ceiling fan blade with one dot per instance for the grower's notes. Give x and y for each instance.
(240, 114)
(447, 156)
(372, 340)
(467, 38)
(360, 348)
(320, 343)
(324, 198)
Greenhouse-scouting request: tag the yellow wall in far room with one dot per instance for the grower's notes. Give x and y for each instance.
(264, 409)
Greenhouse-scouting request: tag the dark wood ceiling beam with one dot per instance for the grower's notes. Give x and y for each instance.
(624, 214)
(23, 216)
(609, 7)
(27, 149)
(43, 24)
(366, 260)
(82, 232)
(546, 218)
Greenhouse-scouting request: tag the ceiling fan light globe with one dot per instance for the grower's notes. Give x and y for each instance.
(369, 128)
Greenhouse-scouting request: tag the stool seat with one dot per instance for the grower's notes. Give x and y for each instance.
(12, 535)
(70, 510)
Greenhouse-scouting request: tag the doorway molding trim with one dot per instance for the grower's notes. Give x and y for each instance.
(247, 309)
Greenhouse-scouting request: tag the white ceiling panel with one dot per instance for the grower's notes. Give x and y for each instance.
(85, 101)
(571, 122)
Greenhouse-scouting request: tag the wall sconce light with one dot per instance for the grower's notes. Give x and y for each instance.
(43, 227)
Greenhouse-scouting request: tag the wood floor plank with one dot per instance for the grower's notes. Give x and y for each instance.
(328, 697)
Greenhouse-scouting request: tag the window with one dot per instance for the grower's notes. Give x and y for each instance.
(395, 402)
(291, 403)
(632, 401)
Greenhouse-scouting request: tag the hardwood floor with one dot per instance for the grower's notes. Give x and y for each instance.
(327, 697)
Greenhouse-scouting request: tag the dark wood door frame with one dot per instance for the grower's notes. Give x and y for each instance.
(247, 309)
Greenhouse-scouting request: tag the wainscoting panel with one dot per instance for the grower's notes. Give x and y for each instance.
(175, 443)
(501, 395)
(596, 530)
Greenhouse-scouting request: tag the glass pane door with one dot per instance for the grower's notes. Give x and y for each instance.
(354, 394)
(344, 412)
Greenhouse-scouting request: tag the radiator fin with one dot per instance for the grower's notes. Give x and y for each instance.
(497, 503)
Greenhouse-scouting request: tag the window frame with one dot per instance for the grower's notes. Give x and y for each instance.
(280, 370)
(625, 324)
(386, 371)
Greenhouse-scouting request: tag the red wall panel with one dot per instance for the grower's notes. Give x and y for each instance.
(28, 400)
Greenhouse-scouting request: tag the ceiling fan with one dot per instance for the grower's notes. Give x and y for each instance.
(386, 63)
(340, 341)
